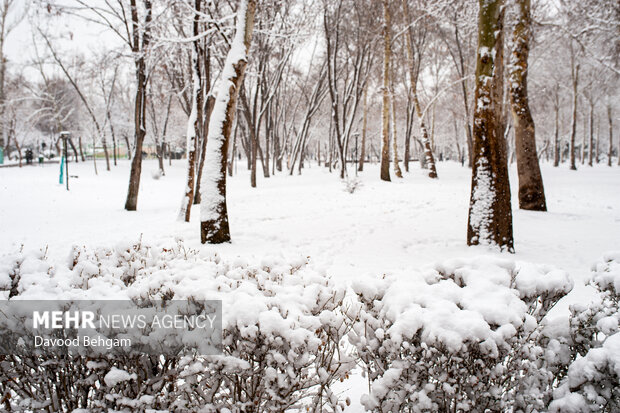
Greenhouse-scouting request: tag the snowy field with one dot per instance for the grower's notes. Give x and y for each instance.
(381, 228)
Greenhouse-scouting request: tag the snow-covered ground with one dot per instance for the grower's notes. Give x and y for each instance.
(381, 228)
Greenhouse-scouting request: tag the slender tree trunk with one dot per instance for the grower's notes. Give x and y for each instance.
(556, 132)
(428, 153)
(74, 149)
(203, 151)
(214, 226)
(611, 137)
(364, 123)
(128, 147)
(131, 204)
(105, 152)
(598, 141)
(575, 78)
(193, 124)
(490, 213)
(531, 188)
(591, 137)
(114, 148)
(397, 170)
(81, 150)
(385, 112)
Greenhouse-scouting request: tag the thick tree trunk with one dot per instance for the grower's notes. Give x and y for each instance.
(531, 188)
(428, 152)
(385, 111)
(575, 79)
(490, 213)
(214, 226)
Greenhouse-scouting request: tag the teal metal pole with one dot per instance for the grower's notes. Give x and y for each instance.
(62, 170)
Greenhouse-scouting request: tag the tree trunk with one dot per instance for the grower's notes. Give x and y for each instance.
(214, 226)
(490, 213)
(385, 112)
(205, 133)
(128, 147)
(428, 153)
(360, 168)
(105, 152)
(611, 137)
(131, 204)
(575, 79)
(74, 149)
(193, 124)
(556, 132)
(591, 137)
(81, 150)
(397, 170)
(531, 188)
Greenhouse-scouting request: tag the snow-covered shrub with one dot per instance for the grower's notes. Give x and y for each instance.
(592, 383)
(283, 332)
(464, 336)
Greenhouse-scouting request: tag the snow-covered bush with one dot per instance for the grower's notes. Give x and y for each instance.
(592, 383)
(283, 332)
(464, 336)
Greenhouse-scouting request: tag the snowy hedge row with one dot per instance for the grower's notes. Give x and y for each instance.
(282, 334)
(592, 383)
(468, 335)
(464, 336)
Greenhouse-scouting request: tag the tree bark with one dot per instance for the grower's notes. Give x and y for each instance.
(575, 79)
(397, 170)
(531, 188)
(611, 137)
(385, 112)
(205, 133)
(591, 144)
(214, 226)
(556, 130)
(364, 123)
(490, 213)
(193, 124)
(81, 151)
(428, 152)
(131, 203)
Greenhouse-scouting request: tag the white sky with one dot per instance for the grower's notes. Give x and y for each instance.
(86, 38)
